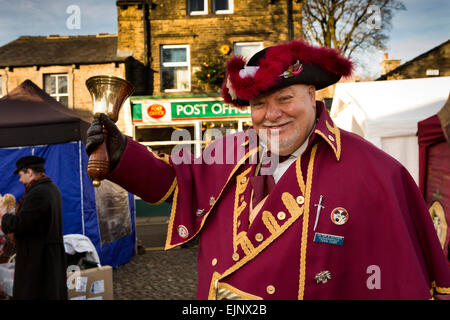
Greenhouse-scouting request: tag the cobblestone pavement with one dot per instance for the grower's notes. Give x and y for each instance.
(158, 275)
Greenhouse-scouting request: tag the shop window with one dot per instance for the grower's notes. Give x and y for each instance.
(247, 49)
(196, 7)
(56, 86)
(175, 68)
(223, 6)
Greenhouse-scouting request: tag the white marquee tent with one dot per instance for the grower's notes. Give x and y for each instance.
(386, 113)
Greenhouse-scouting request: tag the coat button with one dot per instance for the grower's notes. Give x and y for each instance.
(281, 215)
(214, 262)
(300, 200)
(259, 237)
(235, 256)
(270, 289)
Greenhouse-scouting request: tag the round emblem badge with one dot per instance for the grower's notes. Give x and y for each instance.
(183, 231)
(339, 216)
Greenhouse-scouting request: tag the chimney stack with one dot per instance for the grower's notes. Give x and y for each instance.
(388, 65)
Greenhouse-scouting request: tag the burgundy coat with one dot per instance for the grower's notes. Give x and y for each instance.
(374, 238)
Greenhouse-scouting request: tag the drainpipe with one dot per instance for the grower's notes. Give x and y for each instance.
(290, 22)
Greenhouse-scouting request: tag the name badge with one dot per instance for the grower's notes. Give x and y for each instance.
(328, 238)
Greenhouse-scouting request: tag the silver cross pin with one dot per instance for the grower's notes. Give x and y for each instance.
(319, 206)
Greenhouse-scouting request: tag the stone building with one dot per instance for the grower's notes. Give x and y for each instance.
(171, 38)
(61, 65)
(433, 63)
(159, 46)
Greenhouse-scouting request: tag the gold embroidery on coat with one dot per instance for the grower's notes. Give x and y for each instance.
(175, 197)
(270, 222)
(226, 291)
(242, 182)
(304, 240)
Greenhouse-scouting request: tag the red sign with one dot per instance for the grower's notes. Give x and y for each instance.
(156, 111)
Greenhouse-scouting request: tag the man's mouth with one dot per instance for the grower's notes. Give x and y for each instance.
(277, 126)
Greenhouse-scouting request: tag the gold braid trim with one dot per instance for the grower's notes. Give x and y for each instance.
(304, 241)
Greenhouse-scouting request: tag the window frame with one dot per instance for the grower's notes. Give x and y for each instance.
(242, 44)
(197, 13)
(57, 94)
(175, 64)
(230, 8)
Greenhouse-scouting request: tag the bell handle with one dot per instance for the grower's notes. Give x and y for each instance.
(98, 165)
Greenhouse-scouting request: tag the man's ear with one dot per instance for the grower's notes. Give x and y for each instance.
(312, 94)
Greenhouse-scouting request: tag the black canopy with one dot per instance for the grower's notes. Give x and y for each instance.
(29, 116)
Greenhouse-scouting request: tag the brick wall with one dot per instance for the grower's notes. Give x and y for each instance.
(169, 23)
(436, 59)
(79, 97)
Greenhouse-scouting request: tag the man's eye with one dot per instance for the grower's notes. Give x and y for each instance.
(285, 98)
(258, 104)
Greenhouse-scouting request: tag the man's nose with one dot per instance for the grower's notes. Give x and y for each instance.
(273, 112)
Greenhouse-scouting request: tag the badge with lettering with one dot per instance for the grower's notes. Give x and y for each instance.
(339, 216)
(182, 231)
(328, 238)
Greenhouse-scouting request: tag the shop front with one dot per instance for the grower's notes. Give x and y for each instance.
(190, 121)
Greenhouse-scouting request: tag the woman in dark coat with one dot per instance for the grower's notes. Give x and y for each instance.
(40, 269)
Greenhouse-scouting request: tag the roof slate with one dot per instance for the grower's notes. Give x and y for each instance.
(60, 50)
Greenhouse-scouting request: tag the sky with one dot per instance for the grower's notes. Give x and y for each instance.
(422, 26)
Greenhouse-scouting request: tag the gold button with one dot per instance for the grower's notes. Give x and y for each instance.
(235, 257)
(270, 289)
(214, 261)
(300, 200)
(281, 215)
(330, 137)
(244, 180)
(239, 223)
(259, 237)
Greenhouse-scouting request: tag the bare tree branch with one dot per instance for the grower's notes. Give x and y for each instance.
(344, 24)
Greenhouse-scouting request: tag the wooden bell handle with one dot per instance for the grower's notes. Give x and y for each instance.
(98, 165)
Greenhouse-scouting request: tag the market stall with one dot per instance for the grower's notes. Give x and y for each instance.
(33, 123)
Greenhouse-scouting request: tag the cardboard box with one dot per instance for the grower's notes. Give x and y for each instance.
(90, 284)
(7, 278)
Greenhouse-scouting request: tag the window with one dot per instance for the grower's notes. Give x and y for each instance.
(56, 86)
(223, 6)
(247, 49)
(196, 7)
(175, 68)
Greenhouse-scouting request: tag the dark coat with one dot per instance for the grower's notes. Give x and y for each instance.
(40, 270)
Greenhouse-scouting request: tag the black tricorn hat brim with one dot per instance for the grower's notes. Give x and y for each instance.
(295, 62)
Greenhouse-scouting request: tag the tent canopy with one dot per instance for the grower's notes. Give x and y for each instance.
(29, 116)
(386, 113)
(32, 122)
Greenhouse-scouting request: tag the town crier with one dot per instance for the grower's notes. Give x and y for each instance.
(297, 208)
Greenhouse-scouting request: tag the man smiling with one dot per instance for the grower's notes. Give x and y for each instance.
(276, 236)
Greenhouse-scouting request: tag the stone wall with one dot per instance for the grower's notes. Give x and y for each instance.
(79, 97)
(169, 23)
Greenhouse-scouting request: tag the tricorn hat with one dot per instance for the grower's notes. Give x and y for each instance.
(276, 67)
(29, 162)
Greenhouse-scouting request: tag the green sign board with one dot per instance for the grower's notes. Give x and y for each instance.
(206, 110)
